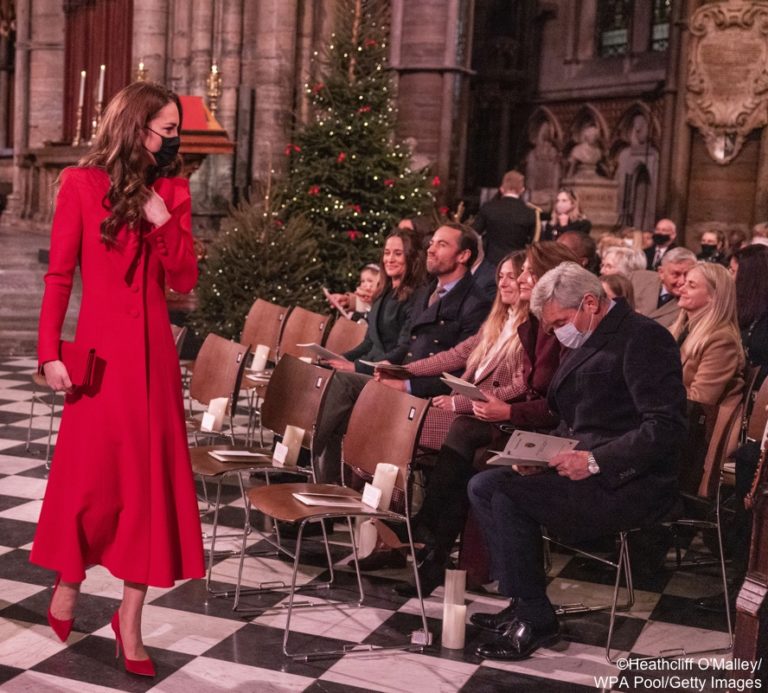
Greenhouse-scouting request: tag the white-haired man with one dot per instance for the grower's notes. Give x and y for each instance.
(656, 293)
(623, 473)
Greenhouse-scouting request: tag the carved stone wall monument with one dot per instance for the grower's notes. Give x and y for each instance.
(727, 87)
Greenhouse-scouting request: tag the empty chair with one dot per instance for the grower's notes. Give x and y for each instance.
(302, 327)
(345, 335)
(263, 325)
(384, 428)
(294, 396)
(218, 372)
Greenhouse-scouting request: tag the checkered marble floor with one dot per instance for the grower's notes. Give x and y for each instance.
(199, 644)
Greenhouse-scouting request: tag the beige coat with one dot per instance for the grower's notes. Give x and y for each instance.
(715, 374)
(646, 286)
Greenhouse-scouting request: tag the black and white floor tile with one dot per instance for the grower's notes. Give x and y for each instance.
(200, 644)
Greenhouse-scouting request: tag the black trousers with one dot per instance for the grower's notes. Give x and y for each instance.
(446, 504)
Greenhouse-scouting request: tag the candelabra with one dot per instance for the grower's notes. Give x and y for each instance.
(141, 73)
(213, 85)
(95, 121)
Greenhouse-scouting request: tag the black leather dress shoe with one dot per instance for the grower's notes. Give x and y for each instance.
(497, 623)
(431, 576)
(519, 641)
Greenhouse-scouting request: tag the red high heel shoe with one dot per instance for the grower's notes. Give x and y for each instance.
(142, 667)
(62, 627)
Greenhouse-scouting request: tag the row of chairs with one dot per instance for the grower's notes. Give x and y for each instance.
(283, 330)
(294, 396)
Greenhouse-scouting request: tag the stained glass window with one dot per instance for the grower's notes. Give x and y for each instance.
(613, 21)
(662, 11)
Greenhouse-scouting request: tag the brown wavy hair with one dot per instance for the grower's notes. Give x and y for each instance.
(415, 265)
(119, 150)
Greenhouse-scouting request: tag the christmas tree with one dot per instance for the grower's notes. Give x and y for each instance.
(346, 173)
(256, 255)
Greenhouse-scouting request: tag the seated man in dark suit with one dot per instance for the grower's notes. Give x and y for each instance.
(656, 292)
(630, 429)
(445, 312)
(507, 223)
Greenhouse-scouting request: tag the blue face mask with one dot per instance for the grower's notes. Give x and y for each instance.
(569, 336)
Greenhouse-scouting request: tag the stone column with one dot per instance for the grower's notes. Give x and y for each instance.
(150, 38)
(180, 46)
(432, 77)
(38, 95)
(269, 66)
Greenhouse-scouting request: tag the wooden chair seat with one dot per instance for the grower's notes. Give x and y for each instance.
(278, 502)
(205, 465)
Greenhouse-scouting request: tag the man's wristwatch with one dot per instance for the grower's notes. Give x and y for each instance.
(592, 465)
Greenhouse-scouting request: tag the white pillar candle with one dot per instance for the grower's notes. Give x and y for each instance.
(454, 626)
(213, 419)
(384, 478)
(141, 66)
(455, 586)
(81, 97)
(367, 537)
(102, 70)
(260, 356)
(292, 439)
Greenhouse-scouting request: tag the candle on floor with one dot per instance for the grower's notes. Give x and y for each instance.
(454, 626)
(384, 479)
(455, 586)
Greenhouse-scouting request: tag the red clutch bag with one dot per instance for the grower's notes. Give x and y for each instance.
(79, 362)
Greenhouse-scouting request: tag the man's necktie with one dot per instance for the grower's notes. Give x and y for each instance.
(436, 295)
(664, 298)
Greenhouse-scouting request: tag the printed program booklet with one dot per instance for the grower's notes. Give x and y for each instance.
(464, 387)
(322, 352)
(531, 449)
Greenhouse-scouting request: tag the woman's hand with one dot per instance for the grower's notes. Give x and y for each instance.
(155, 211)
(443, 402)
(494, 409)
(340, 364)
(56, 376)
(338, 300)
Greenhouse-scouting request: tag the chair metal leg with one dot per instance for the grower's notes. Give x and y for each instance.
(31, 415)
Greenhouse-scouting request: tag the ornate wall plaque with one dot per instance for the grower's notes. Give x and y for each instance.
(727, 90)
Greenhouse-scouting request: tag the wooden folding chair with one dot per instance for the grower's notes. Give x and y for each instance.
(218, 373)
(384, 428)
(345, 335)
(263, 326)
(302, 327)
(294, 396)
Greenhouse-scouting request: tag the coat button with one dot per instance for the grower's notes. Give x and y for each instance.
(133, 312)
(413, 337)
(431, 353)
(442, 322)
(410, 354)
(436, 341)
(135, 288)
(496, 383)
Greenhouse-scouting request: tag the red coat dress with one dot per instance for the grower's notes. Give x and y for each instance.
(120, 492)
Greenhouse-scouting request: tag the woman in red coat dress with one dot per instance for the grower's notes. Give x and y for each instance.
(121, 492)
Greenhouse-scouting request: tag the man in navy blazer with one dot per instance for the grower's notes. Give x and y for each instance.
(620, 393)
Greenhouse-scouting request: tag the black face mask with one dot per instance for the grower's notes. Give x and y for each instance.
(708, 250)
(168, 151)
(661, 238)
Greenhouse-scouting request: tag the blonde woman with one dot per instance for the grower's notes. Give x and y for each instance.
(566, 216)
(492, 359)
(707, 331)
